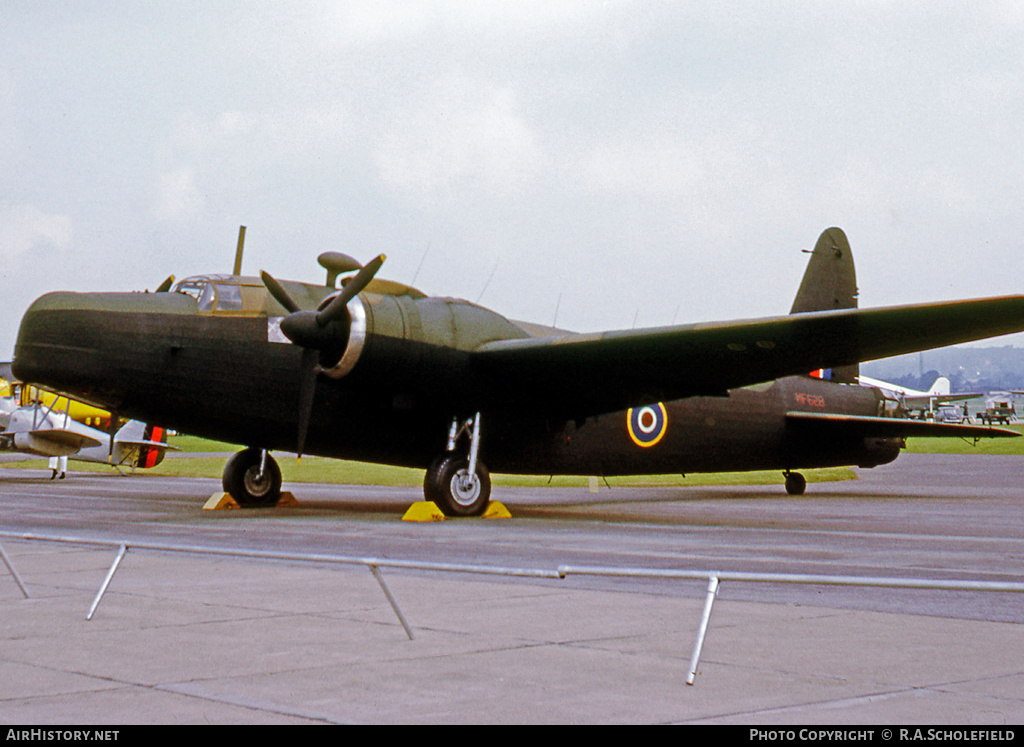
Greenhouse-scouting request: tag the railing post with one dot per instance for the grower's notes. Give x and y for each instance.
(14, 573)
(394, 605)
(702, 630)
(106, 582)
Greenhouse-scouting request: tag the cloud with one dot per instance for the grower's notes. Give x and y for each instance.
(25, 229)
(663, 155)
(459, 141)
(177, 195)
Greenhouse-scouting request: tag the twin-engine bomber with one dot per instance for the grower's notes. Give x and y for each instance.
(377, 371)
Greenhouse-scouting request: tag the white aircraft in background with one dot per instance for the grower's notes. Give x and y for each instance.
(914, 401)
(48, 433)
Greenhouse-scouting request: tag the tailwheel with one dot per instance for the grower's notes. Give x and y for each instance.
(796, 483)
(456, 491)
(253, 478)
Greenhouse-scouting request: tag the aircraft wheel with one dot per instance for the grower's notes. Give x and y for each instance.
(243, 481)
(796, 483)
(457, 493)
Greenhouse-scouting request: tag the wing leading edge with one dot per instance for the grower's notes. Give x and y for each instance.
(591, 374)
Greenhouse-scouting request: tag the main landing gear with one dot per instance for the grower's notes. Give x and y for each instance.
(457, 481)
(253, 478)
(459, 485)
(796, 483)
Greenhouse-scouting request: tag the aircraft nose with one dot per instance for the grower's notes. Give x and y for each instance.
(59, 344)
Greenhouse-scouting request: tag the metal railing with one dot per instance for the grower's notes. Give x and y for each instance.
(715, 578)
(374, 564)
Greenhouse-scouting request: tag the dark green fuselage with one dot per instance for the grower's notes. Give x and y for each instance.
(221, 374)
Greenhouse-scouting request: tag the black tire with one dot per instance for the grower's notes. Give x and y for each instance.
(796, 483)
(445, 484)
(243, 482)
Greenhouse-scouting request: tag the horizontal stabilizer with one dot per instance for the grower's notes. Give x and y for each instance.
(162, 445)
(870, 427)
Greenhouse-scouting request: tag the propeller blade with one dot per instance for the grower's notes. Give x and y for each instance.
(307, 386)
(279, 293)
(166, 285)
(306, 329)
(352, 289)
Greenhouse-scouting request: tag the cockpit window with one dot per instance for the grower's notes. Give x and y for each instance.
(211, 295)
(208, 298)
(229, 297)
(192, 287)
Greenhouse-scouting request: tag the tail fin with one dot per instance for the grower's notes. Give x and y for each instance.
(940, 386)
(133, 430)
(141, 445)
(830, 282)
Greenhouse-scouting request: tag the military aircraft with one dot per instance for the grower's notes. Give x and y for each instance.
(378, 371)
(915, 403)
(47, 432)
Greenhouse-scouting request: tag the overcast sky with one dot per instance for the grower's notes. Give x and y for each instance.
(614, 163)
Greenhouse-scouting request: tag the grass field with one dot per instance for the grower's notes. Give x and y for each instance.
(318, 469)
(959, 446)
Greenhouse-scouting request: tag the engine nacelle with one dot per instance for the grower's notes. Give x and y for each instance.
(878, 451)
(338, 364)
(421, 344)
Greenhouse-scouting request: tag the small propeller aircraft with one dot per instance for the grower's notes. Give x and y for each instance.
(47, 432)
(378, 371)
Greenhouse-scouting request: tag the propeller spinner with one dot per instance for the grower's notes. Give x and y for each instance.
(323, 331)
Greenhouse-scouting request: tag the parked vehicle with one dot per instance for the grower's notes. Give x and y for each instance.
(950, 414)
(998, 410)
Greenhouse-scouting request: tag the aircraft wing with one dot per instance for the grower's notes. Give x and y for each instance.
(870, 427)
(920, 401)
(591, 374)
(64, 437)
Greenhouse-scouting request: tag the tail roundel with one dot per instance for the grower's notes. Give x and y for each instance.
(830, 282)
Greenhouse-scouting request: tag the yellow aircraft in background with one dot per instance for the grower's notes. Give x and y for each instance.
(80, 412)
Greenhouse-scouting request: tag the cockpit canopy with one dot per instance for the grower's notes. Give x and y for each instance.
(248, 295)
(224, 292)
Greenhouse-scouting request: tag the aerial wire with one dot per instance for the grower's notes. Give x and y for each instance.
(422, 260)
(488, 281)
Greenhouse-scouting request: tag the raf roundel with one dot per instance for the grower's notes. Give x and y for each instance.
(646, 425)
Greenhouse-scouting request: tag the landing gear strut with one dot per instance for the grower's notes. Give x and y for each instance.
(459, 485)
(796, 483)
(253, 478)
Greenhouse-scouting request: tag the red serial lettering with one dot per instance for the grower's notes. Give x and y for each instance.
(811, 400)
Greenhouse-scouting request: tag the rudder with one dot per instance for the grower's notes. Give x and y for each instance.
(150, 456)
(830, 282)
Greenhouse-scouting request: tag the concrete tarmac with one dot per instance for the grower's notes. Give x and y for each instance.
(199, 639)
